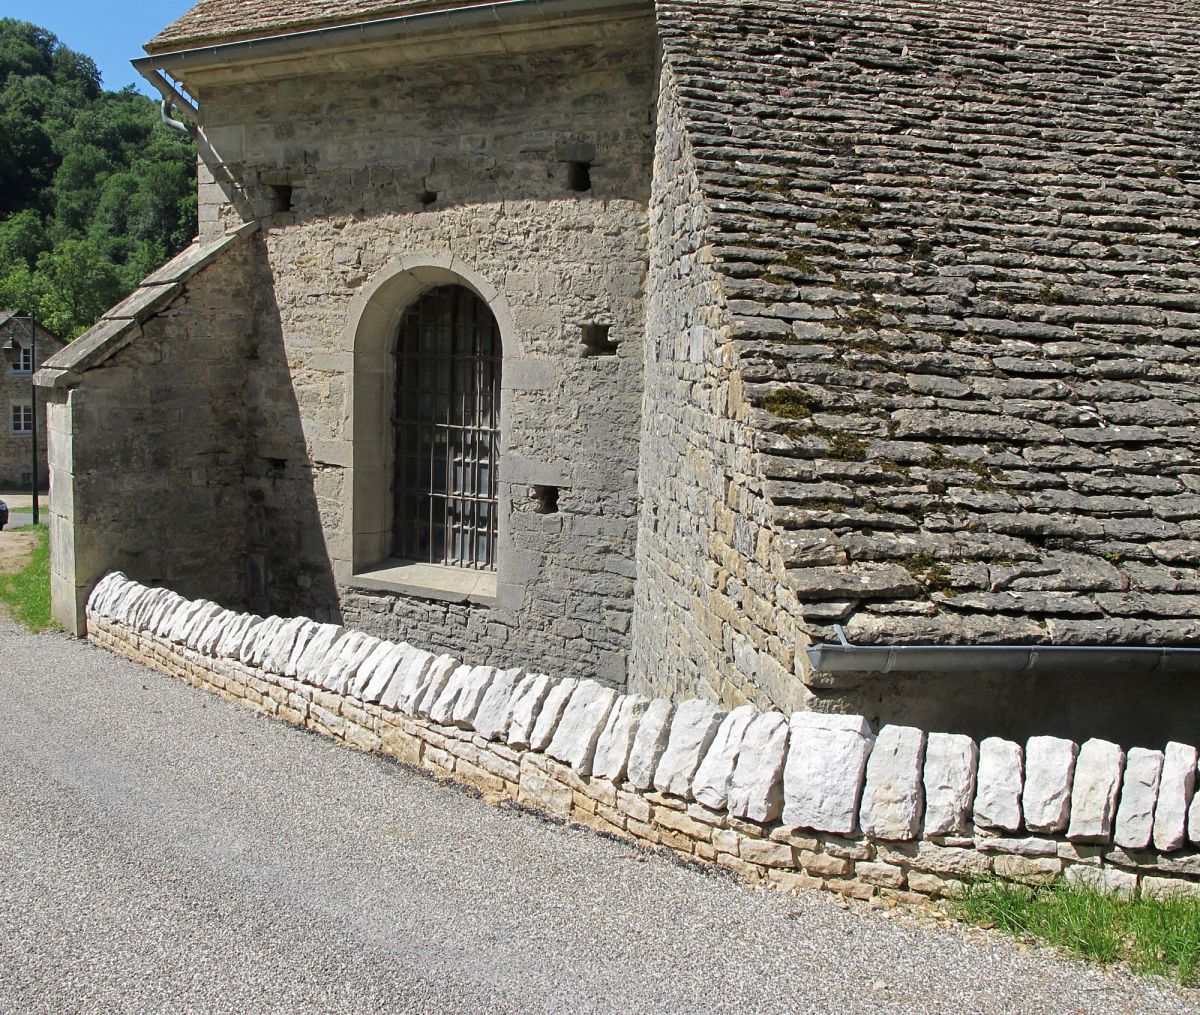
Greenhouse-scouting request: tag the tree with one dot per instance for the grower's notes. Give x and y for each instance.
(95, 192)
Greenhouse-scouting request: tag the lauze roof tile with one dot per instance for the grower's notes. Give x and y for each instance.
(959, 245)
(216, 21)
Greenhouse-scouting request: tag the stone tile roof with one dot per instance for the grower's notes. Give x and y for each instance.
(216, 21)
(959, 243)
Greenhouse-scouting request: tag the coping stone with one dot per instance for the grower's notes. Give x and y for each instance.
(951, 762)
(180, 617)
(377, 669)
(1049, 770)
(616, 740)
(693, 729)
(551, 712)
(214, 631)
(998, 785)
(280, 649)
(395, 681)
(893, 796)
(711, 783)
(1139, 793)
(326, 668)
(442, 710)
(491, 716)
(823, 775)
(322, 642)
(230, 645)
(649, 743)
(1094, 790)
(429, 687)
(583, 720)
(471, 695)
(154, 612)
(756, 789)
(1175, 790)
(525, 707)
(260, 638)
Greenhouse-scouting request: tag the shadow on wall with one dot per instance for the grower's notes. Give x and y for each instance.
(1133, 711)
(288, 571)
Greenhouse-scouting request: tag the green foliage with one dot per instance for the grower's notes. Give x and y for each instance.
(790, 403)
(1153, 935)
(26, 594)
(95, 192)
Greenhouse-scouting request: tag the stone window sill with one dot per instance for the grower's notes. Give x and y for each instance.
(429, 581)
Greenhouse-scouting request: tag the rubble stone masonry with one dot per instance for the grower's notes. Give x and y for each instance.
(714, 615)
(376, 186)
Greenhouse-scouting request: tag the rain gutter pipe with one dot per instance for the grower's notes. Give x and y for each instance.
(403, 28)
(845, 657)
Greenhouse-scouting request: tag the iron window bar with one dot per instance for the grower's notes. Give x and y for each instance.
(447, 431)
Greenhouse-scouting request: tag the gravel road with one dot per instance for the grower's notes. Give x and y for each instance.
(164, 851)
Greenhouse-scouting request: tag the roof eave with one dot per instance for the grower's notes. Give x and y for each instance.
(500, 14)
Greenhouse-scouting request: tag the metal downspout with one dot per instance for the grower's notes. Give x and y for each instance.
(172, 97)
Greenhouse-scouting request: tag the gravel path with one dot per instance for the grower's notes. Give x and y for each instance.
(164, 851)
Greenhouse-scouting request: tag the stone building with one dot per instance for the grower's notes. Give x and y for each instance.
(814, 354)
(16, 402)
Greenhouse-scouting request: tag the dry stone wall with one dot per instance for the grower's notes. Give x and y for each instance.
(817, 801)
(426, 164)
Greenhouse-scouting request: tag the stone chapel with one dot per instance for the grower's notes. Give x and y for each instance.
(836, 354)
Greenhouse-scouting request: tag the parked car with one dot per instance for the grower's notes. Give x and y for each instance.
(3, 514)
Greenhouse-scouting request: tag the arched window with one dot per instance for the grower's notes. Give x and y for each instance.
(448, 360)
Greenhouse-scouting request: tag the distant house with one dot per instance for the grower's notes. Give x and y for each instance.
(16, 403)
(823, 354)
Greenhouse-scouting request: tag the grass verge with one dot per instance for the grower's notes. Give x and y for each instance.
(26, 593)
(1152, 935)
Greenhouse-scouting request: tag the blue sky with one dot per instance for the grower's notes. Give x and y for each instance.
(111, 32)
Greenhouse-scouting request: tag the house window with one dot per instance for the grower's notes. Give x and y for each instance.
(25, 365)
(22, 418)
(448, 360)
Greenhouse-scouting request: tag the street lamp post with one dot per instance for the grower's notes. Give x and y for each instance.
(12, 352)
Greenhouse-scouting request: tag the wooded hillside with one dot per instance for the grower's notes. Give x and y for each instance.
(95, 192)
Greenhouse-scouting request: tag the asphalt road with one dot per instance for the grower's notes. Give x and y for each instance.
(164, 851)
(19, 519)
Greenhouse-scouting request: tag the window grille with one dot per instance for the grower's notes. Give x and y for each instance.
(22, 418)
(448, 361)
(25, 365)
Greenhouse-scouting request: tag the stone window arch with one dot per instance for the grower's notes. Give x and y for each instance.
(366, 547)
(447, 430)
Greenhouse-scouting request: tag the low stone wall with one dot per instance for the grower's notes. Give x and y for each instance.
(815, 801)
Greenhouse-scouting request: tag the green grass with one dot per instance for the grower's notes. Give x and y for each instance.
(1152, 935)
(26, 593)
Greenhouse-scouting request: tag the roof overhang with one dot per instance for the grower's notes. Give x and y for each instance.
(464, 33)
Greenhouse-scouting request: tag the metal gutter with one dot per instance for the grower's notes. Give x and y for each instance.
(846, 657)
(502, 14)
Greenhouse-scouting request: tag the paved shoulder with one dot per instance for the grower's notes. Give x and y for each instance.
(163, 850)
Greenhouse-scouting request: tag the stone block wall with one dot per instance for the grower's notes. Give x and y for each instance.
(147, 446)
(815, 801)
(424, 165)
(714, 616)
